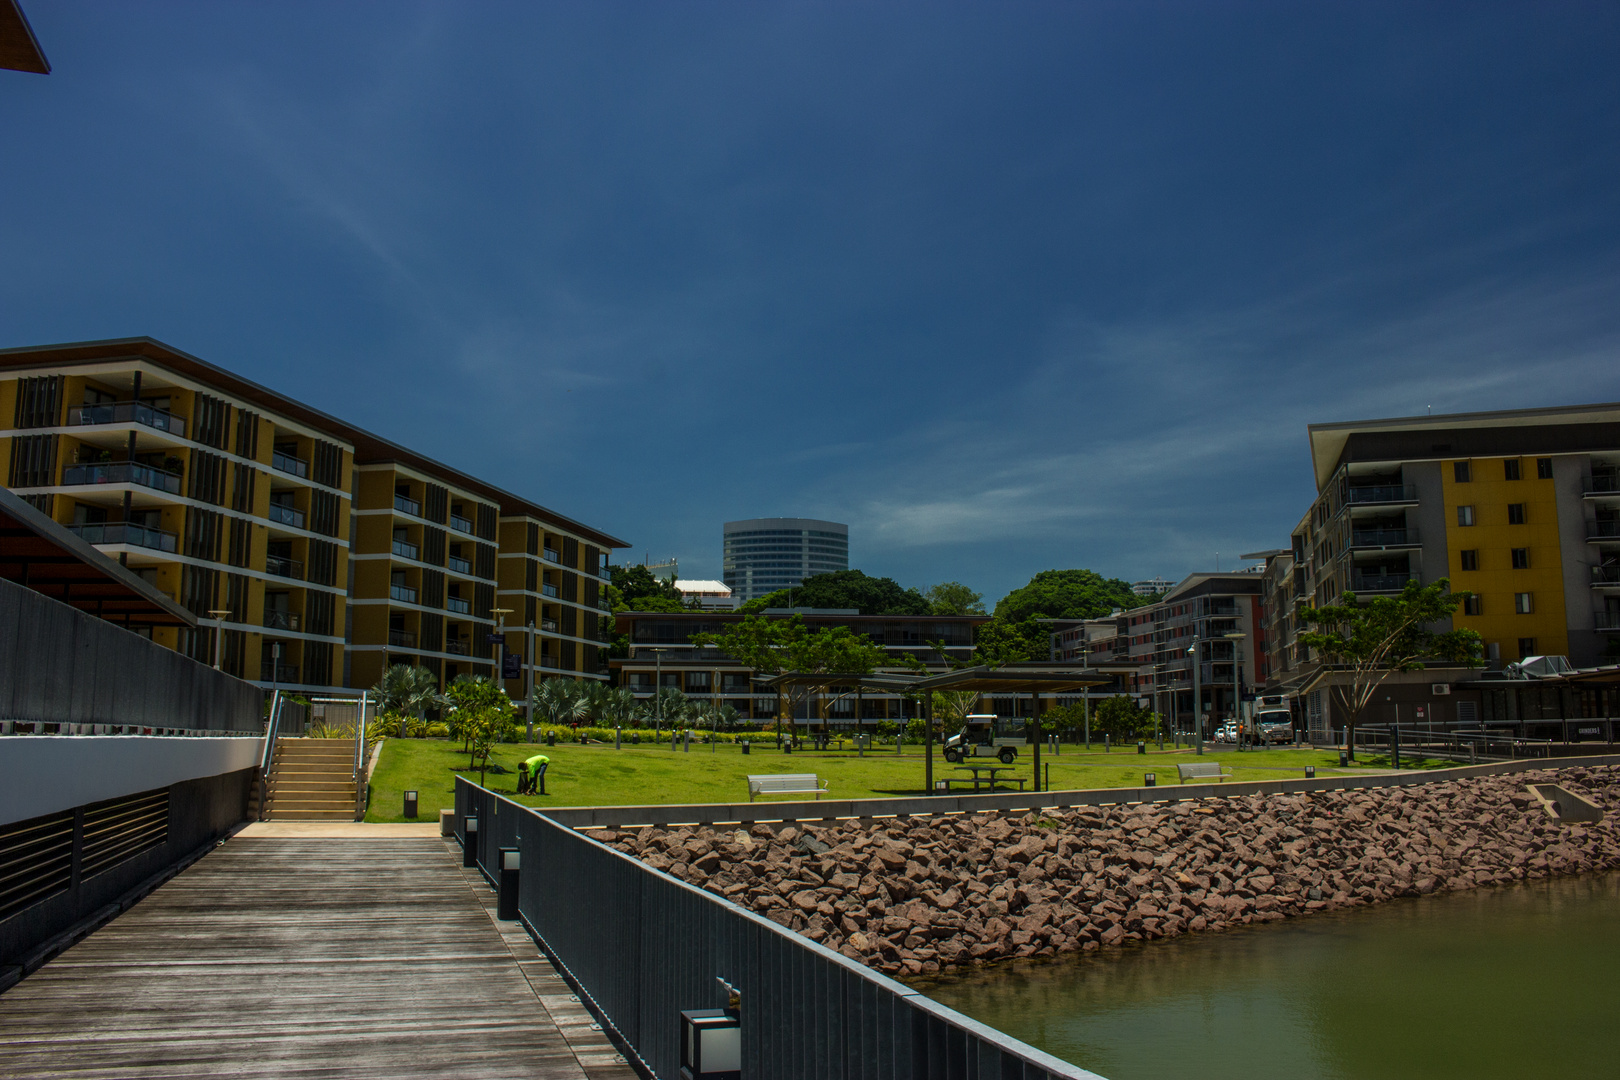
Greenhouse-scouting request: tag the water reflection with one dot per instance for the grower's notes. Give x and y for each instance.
(1512, 982)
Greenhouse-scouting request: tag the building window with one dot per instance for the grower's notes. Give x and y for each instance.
(1510, 469)
(1521, 558)
(1471, 604)
(1465, 515)
(1543, 468)
(1515, 513)
(1468, 559)
(1523, 603)
(1459, 472)
(1527, 648)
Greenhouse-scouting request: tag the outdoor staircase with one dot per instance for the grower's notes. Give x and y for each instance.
(312, 780)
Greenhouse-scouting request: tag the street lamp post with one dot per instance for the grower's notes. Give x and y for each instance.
(1234, 637)
(1198, 696)
(219, 631)
(500, 614)
(529, 709)
(1158, 719)
(658, 692)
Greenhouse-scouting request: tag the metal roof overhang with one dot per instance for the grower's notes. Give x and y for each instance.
(885, 681)
(19, 48)
(1023, 678)
(41, 555)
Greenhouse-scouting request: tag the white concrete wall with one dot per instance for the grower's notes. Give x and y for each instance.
(41, 774)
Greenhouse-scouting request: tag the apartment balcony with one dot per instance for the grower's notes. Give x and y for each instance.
(281, 673)
(281, 620)
(458, 648)
(406, 550)
(401, 639)
(1376, 583)
(122, 472)
(282, 514)
(1383, 539)
(1603, 532)
(604, 573)
(123, 532)
(128, 412)
(292, 466)
(549, 661)
(403, 593)
(461, 566)
(1601, 487)
(549, 590)
(458, 605)
(1606, 577)
(282, 567)
(551, 555)
(548, 626)
(1382, 494)
(1606, 621)
(407, 506)
(461, 524)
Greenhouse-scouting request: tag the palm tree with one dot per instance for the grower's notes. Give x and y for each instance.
(560, 701)
(407, 690)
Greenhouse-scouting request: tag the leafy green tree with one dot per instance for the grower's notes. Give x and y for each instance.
(1123, 718)
(953, 598)
(775, 646)
(1371, 640)
(1067, 594)
(407, 691)
(953, 707)
(635, 588)
(845, 589)
(483, 714)
(1003, 641)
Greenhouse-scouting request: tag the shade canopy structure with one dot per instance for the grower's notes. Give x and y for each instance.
(39, 554)
(886, 682)
(1023, 678)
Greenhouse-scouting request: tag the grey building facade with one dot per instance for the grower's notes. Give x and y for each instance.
(763, 555)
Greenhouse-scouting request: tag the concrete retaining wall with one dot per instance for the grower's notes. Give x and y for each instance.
(41, 774)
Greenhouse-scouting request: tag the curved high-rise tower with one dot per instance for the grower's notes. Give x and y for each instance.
(766, 554)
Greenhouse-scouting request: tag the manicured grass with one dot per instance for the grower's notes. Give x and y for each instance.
(646, 775)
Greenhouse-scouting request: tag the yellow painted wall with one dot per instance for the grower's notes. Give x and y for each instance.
(1496, 582)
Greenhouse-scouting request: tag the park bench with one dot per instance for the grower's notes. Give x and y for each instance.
(785, 784)
(1203, 770)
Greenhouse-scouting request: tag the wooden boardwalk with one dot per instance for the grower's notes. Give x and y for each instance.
(291, 957)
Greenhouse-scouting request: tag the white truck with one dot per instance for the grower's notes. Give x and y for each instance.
(1273, 720)
(982, 735)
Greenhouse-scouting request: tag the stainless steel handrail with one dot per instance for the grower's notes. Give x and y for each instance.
(269, 749)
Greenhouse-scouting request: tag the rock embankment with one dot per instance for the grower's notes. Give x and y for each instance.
(910, 896)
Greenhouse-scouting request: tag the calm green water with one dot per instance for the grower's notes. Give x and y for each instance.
(1515, 982)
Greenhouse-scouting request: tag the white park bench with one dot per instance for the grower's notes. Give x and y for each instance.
(1203, 770)
(785, 784)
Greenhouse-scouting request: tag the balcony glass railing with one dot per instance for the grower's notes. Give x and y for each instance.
(402, 639)
(551, 555)
(405, 549)
(282, 514)
(123, 532)
(548, 626)
(293, 466)
(1604, 530)
(1606, 621)
(1383, 493)
(548, 590)
(458, 605)
(128, 412)
(460, 566)
(460, 524)
(457, 648)
(284, 567)
(1383, 537)
(403, 593)
(122, 472)
(1602, 485)
(604, 573)
(1380, 582)
(1606, 575)
(548, 661)
(281, 620)
(280, 673)
(407, 506)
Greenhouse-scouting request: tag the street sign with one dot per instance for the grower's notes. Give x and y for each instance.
(495, 639)
(512, 666)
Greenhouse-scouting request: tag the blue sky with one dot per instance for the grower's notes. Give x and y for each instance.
(1006, 286)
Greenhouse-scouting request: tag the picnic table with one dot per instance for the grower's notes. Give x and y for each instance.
(991, 779)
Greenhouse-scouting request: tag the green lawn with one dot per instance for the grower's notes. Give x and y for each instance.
(645, 775)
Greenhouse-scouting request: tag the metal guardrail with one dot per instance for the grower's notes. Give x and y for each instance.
(641, 946)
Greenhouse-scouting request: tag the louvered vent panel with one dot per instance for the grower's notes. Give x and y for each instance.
(36, 861)
(120, 829)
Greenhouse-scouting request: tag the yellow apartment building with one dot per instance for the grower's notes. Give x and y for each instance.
(312, 552)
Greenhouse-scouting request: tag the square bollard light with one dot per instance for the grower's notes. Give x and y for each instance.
(1344, 758)
(711, 1045)
(1310, 772)
(506, 897)
(410, 804)
(745, 746)
(469, 845)
(1141, 747)
(1150, 779)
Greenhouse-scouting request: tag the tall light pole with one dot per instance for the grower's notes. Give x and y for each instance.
(529, 709)
(1198, 696)
(658, 691)
(1234, 637)
(219, 631)
(1158, 682)
(500, 614)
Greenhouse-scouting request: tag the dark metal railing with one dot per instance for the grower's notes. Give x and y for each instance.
(281, 620)
(284, 567)
(127, 412)
(1383, 493)
(1601, 529)
(403, 639)
(1601, 485)
(287, 463)
(1380, 582)
(405, 549)
(407, 506)
(807, 1012)
(124, 532)
(458, 605)
(286, 515)
(460, 566)
(122, 472)
(460, 524)
(1606, 575)
(403, 593)
(457, 648)
(1382, 537)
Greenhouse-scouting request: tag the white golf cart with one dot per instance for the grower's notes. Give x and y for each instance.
(985, 735)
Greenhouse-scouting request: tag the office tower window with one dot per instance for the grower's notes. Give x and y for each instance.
(1515, 513)
(1460, 472)
(1468, 559)
(1521, 558)
(1471, 604)
(1510, 469)
(1543, 468)
(1523, 603)
(1527, 647)
(1465, 515)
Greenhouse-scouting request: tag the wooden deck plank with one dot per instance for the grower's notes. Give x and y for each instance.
(293, 957)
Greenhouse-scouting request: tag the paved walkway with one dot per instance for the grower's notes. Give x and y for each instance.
(306, 956)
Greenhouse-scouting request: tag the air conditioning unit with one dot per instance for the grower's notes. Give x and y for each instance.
(1440, 689)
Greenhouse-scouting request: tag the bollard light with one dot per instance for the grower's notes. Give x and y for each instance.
(1310, 772)
(506, 899)
(1344, 758)
(745, 745)
(1141, 747)
(469, 843)
(551, 738)
(410, 804)
(1150, 779)
(711, 1045)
